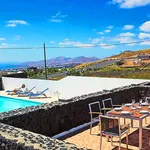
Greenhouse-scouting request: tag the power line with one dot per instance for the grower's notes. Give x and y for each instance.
(84, 46)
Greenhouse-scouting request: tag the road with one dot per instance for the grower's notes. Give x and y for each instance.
(99, 65)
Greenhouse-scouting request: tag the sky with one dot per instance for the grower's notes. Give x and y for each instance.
(99, 28)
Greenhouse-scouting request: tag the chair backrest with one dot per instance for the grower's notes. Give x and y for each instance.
(32, 89)
(44, 91)
(147, 99)
(107, 122)
(95, 107)
(107, 103)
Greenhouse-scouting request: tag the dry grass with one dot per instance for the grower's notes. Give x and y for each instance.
(132, 54)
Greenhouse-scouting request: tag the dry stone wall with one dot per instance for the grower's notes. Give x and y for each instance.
(57, 117)
(38, 123)
(12, 138)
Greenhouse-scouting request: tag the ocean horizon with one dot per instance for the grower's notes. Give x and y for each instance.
(5, 66)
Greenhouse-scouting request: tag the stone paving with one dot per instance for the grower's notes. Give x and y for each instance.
(85, 140)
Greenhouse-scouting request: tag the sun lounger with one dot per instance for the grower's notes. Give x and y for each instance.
(13, 92)
(38, 94)
(25, 93)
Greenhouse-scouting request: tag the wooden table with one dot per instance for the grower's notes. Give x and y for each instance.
(135, 115)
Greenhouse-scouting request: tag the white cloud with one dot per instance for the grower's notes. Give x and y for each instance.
(14, 23)
(17, 37)
(144, 35)
(2, 39)
(5, 45)
(67, 42)
(129, 34)
(52, 42)
(145, 26)
(110, 27)
(95, 41)
(11, 25)
(58, 17)
(17, 22)
(125, 38)
(130, 3)
(83, 45)
(128, 27)
(145, 43)
(107, 31)
(55, 20)
(101, 33)
(106, 46)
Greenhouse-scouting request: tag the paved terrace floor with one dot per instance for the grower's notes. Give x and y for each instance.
(92, 142)
(43, 100)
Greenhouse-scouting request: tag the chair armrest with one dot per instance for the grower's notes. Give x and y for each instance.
(107, 108)
(97, 113)
(125, 126)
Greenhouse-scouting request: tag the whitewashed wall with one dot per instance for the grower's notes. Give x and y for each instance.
(70, 86)
(12, 83)
(75, 86)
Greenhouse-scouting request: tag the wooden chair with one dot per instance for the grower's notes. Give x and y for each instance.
(95, 111)
(147, 99)
(108, 105)
(110, 126)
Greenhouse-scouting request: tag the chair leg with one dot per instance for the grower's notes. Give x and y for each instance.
(111, 141)
(145, 120)
(124, 121)
(107, 137)
(99, 126)
(132, 123)
(100, 141)
(127, 139)
(119, 142)
(91, 127)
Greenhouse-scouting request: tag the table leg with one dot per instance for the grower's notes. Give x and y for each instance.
(132, 123)
(140, 134)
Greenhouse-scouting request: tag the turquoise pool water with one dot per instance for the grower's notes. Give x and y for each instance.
(7, 104)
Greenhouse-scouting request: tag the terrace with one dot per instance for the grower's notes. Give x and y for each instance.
(85, 139)
(36, 127)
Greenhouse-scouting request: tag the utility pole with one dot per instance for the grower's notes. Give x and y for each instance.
(45, 62)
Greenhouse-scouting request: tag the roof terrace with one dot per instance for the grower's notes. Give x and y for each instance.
(38, 125)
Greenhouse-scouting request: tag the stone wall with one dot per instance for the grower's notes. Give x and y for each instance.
(17, 75)
(57, 117)
(12, 138)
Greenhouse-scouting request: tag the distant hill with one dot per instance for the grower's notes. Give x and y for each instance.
(61, 61)
(109, 60)
(129, 54)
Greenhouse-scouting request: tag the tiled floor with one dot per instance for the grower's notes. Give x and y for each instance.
(87, 141)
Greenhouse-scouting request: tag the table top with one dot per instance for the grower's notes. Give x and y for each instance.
(135, 113)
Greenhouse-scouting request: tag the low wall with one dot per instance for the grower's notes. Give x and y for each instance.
(51, 119)
(12, 138)
(70, 86)
(15, 75)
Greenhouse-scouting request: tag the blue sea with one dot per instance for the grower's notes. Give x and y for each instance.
(9, 66)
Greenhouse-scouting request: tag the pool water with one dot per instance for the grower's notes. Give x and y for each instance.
(7, 104)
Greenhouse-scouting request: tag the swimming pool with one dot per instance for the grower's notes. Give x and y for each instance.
(7, 104)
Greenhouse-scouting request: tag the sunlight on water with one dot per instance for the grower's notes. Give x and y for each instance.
(7, 104)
